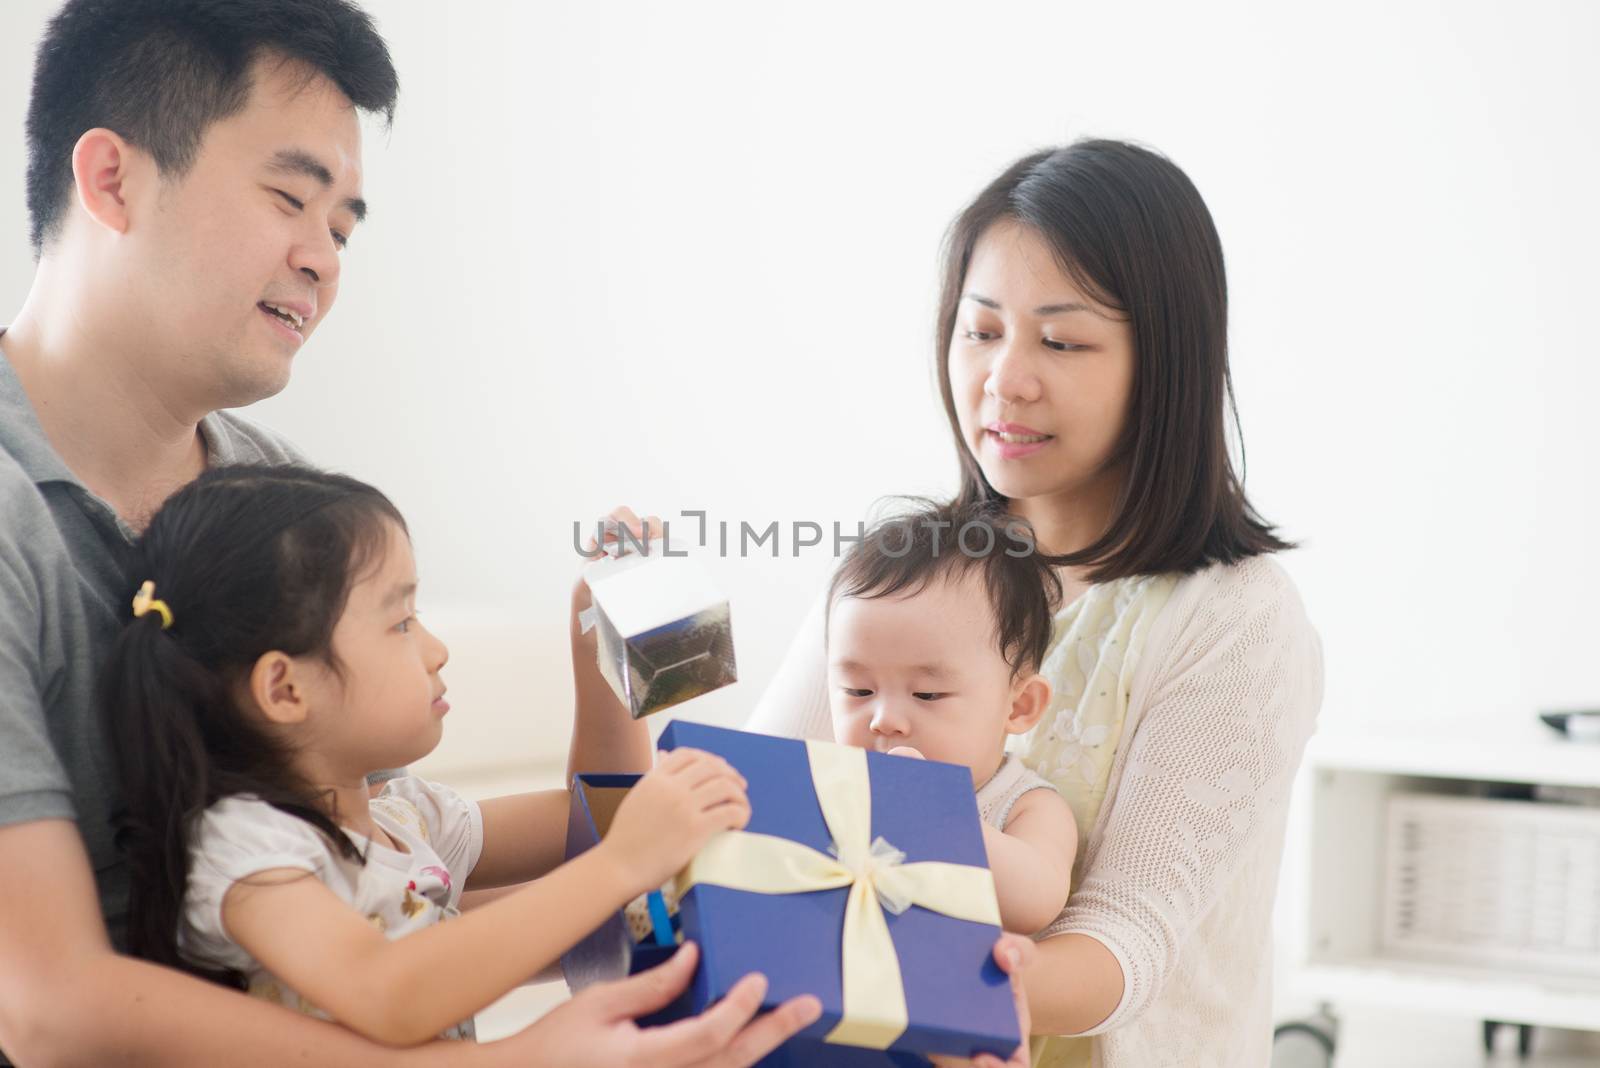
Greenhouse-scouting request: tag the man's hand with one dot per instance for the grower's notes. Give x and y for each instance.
(597, 1026)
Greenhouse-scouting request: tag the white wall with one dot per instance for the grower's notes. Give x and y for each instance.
(683, 256)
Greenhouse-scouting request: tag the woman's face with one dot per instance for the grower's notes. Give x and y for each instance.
(1040, 372)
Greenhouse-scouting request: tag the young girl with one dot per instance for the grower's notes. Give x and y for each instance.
(937, 625)
(274, 662)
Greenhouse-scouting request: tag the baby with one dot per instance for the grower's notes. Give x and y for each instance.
(938, 621)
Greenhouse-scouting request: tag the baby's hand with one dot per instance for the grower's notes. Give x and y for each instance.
(907, 751)
(672, 812)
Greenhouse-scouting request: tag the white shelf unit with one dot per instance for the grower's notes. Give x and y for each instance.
(1352, 778)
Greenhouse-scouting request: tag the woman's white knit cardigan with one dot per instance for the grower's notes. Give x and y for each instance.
(1181, 866)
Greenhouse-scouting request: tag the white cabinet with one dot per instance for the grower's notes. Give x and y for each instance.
(1472, 957)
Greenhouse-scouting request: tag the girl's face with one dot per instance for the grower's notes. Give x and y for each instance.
(1040, 372)
(385, 707)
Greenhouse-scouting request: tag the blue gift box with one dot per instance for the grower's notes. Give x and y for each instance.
(957, 1000)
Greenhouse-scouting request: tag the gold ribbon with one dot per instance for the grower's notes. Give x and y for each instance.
(874, 995)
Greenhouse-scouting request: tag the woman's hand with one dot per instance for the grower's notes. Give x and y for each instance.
(597, 1026)
(671, 813)
(1014, 953)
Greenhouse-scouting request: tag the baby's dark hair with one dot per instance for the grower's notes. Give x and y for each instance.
(940, 542)
(248, 560)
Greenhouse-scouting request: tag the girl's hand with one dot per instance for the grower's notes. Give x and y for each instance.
(672, 812)
(605, 736)
(1013, 953)
(648, 531)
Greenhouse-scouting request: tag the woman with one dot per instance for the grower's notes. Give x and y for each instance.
(1082, 360)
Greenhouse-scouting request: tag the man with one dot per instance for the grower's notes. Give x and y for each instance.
(194, 172)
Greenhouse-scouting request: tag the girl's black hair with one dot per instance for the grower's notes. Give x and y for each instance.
(249, 560)
(1129, 227)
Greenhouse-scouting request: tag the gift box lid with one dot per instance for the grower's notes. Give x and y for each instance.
(641, 593)
(957, 999)
(664, 632)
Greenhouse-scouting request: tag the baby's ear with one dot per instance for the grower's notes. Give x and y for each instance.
(1030, 695)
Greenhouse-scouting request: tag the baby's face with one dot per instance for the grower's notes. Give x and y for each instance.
(922, 671)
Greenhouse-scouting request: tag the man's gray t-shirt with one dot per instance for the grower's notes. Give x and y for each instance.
(63, 595)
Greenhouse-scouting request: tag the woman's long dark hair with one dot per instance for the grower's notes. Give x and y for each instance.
(249, 559)
(1129, 227)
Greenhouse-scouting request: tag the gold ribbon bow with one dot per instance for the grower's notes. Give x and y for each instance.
(874, 995)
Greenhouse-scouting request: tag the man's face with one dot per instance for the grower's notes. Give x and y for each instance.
(240, 256)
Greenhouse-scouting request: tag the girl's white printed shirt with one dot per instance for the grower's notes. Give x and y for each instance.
(398, 892)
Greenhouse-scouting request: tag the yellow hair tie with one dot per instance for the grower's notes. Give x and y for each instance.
(145, 601)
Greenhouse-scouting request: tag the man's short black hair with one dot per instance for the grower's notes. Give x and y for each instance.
(159, 72)
(935, 542)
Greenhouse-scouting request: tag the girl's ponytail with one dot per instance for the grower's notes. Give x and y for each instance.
(156, 698)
